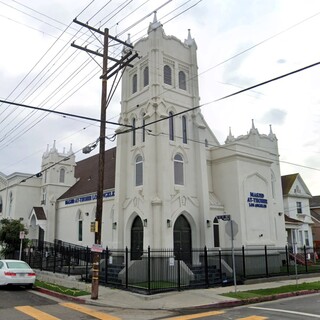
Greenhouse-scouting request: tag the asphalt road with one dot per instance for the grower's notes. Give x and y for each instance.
(21, 304)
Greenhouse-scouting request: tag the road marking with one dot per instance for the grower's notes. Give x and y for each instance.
(35, 313)
(253, 318)
(288, 311)
(90, 312)
(198, 315)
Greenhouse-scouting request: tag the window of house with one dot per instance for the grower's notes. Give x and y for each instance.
(182, 80)
(178, 170)
(300, 238)
(133, 131)
(167, 75)
(139, 171)
(299, 207)
(134, 83)
(62, 175)
(306, 238)
(184, 129)
(171, 126)
(145, 76)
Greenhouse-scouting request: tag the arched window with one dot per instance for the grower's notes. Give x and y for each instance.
(145, 76)
(44, 196)
(134, 83)
(171, 126)
(182, 80)
(139, 171)
(216, 234)
(167, 75)
(62, 175)
(184, 129)
(178, 170)
(133, 131)
(80, 226)
(206, 143)
(1, 204)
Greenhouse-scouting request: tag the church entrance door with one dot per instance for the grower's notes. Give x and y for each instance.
(182, 240)
(136, 239)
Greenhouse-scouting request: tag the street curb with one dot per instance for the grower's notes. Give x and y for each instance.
(217, 305)
(237, 303)
(59, 295)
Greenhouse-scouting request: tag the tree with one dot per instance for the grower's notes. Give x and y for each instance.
(10, 236)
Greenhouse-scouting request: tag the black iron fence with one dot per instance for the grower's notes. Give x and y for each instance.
(165, 269)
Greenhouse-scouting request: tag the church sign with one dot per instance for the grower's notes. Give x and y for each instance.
(257, 200)
(108, 194)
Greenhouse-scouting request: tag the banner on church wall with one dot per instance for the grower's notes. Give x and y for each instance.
(257, 200)
(108, 194)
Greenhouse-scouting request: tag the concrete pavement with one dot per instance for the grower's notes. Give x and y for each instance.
(197, 298)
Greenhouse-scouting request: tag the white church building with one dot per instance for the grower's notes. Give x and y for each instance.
(166, 183)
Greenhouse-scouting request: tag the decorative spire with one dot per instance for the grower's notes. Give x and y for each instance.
(253, 129)
(53, 149)
(70, 150)
(155, 24)
(126, 49)
(271, 134)
(155, 20)
(189, 41)
(128, 41)
(46, 153)
(230, 137)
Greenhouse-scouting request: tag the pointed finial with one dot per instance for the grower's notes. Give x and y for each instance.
(230, 137)
(155, 17)
(128, 39)
(70, 150)
(252, 120)
(155, 23)
(271, 134)
(189, 41)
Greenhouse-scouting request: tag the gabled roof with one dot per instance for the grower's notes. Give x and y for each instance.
(315, 215)
(288, 181)
(39, 212)
(289, 220)
(315, 202)
(86, 172)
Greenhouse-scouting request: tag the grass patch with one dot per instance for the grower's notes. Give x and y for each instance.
(273, 291)
(60, 289)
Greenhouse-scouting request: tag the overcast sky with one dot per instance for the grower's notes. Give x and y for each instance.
(240, 44)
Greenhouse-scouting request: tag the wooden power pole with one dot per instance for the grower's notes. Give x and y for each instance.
(106, 74)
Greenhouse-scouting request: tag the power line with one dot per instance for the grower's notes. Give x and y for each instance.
(60, 113)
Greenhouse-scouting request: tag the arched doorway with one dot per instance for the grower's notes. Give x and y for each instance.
(216, 233)
(182, 239)
(136, 239)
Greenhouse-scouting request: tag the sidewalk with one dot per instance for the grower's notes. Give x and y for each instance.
(197, 298)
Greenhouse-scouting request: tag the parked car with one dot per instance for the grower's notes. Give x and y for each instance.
(16, 272)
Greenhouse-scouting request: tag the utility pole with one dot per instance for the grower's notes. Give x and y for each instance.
(106, 74)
